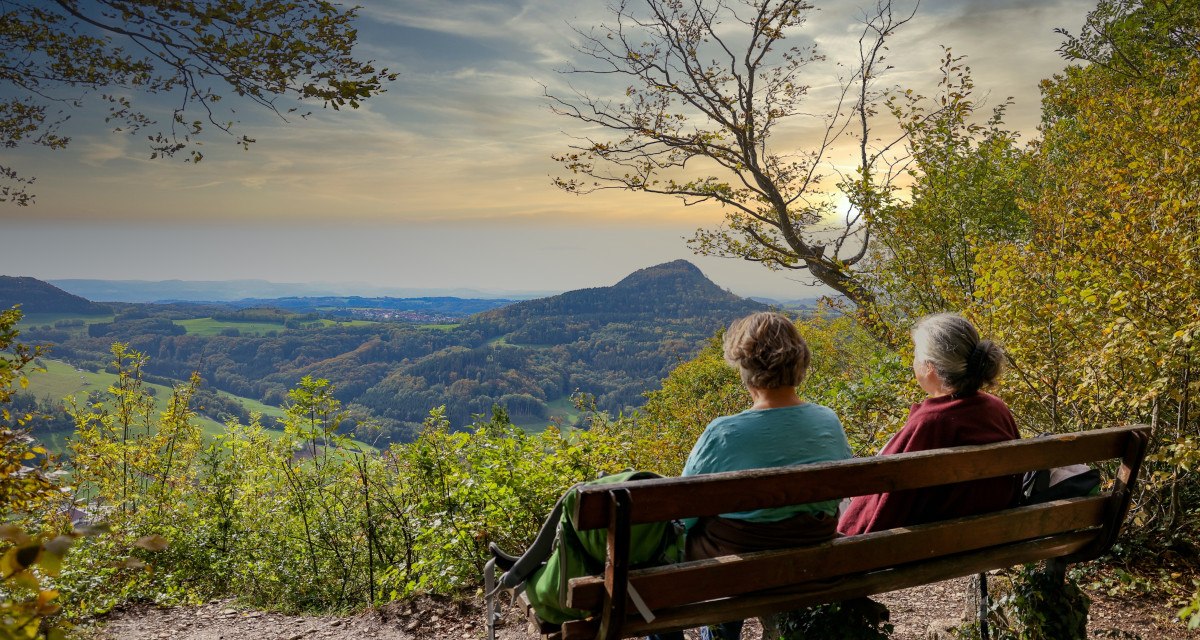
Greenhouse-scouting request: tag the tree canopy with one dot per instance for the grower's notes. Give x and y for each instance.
(969, 177)
(55, 55)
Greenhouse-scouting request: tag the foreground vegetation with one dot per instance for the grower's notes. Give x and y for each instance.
(311, 521)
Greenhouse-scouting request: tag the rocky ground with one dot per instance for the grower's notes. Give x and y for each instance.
(914, 612)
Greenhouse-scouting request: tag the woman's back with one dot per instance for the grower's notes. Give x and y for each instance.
(935, 423)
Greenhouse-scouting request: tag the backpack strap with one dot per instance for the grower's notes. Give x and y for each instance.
(538, 552)
(513, 579)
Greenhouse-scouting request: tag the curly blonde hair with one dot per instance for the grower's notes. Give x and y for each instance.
(768, 351)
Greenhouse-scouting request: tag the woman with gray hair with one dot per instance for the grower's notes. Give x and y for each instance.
(778, 430)
(952, 365)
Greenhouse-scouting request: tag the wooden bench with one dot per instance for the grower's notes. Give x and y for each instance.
(747, 585)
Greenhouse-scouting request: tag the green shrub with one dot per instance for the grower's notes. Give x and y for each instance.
(1041, 605)
(858, 619)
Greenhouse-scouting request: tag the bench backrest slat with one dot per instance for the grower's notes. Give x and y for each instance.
(674, 585)
(672, 498)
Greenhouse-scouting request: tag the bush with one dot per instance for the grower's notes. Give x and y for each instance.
(859, 619)
(1041, 605)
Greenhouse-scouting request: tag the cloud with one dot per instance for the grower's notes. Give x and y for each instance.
(94, 150)
(465, 133)
(466, 18)
(205, 185)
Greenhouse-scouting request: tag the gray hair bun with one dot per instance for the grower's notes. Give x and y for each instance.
(963, 361)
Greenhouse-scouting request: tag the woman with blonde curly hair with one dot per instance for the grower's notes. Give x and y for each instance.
(778, 430)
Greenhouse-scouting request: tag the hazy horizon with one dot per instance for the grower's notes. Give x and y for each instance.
(236, 289)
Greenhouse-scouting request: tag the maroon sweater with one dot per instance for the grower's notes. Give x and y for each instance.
(977, 418)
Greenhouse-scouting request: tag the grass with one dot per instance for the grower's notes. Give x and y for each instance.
(32, 320)
(211, 327)
(39, 319)
(60, 380)
(205, 327)
(349, 323)
(561, 409)
(440, 327)
(253, 405)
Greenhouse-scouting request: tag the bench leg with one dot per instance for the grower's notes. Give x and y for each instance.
(1056, 568)
(983, 606)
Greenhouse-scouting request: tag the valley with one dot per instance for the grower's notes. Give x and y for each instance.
(532, 358)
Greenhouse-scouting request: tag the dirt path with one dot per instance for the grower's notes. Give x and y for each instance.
(913, 611)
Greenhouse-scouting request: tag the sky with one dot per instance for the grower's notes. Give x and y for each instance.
(445, 180)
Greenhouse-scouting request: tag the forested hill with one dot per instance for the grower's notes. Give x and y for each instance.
(673, 292)
(36, 296)
(614, 343)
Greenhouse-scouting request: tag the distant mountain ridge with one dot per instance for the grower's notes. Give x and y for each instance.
(36, 296)
(149, 291)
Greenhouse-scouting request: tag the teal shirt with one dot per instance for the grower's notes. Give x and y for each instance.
(764, 438)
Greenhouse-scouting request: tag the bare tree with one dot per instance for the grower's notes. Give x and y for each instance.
(709, 85)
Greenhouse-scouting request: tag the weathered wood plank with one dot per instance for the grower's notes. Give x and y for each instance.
(536, 626)
(671, 498)
(1122, 492)
(701, 580)
(753, 605)
(616, 570)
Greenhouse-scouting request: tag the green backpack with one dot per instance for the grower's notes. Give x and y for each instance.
(560, 553)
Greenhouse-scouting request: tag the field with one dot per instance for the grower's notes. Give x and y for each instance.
(439, 327)
(210, 327)
(194, 326)
(48, 319)
(60, 380)
(562, 411)
(39, 319)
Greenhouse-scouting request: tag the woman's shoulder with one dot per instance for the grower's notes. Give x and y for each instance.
(722, 425)
(942, 405)
(821, 411)
(983, 403)
(809, 412)
(992, 400)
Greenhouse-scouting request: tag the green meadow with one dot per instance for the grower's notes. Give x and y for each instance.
(31, 320)
(194, 326)
(440, 327)
(560, 410)
(60, 380)
(213, 327)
